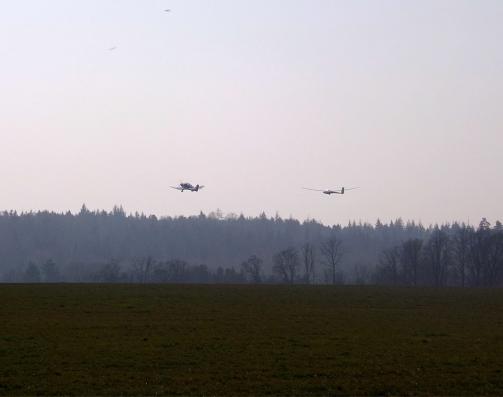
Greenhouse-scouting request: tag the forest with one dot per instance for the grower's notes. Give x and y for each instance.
(100, 246)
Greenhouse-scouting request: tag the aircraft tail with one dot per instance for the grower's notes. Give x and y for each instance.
(197, 188)
(342, 190)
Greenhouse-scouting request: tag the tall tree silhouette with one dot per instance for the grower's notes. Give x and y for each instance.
(332, 253)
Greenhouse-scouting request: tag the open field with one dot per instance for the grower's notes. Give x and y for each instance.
(249, 340)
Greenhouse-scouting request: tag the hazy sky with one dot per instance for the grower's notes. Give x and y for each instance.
(254, 99)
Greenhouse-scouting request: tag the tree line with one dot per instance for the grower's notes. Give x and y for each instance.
(459, 255)
(99, 246)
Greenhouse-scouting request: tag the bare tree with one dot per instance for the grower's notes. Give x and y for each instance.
(461, 251)
(438, 256)
(110, 272)
(286, 263)
(309, 260)
(332, 253)
(252, 268)
(388, 266)
(481, 255)
(478, 256)
(176, 270)
(410, 259)
(494, 267)
(142, 269)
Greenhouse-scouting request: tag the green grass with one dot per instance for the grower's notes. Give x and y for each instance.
(249, 340)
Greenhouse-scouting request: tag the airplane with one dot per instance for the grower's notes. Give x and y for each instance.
(329, 192)
(187, 186)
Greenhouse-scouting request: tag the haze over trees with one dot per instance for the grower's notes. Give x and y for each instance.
(99, 246)
(458, 255)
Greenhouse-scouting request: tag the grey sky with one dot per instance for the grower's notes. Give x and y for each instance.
(254, 99)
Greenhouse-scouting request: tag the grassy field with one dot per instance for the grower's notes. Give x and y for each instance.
(249, 340)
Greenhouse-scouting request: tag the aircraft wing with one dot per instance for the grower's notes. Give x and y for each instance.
(345, 188)
(314, 190)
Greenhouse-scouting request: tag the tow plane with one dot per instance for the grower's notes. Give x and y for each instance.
(328, 192)
(187, 186)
